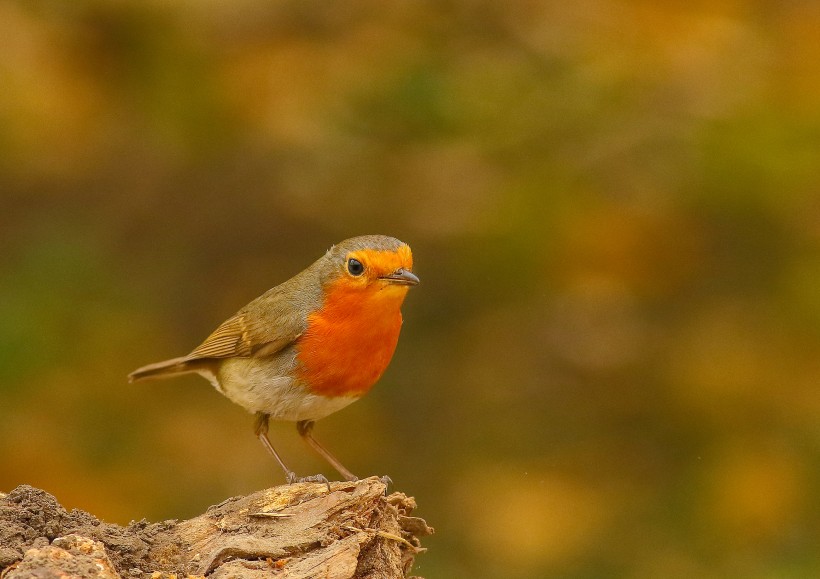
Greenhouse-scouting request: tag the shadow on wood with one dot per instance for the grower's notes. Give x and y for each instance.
(302, 530)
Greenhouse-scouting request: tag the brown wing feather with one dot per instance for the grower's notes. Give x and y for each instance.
(239, 338)
(265, 326)
(228, 340)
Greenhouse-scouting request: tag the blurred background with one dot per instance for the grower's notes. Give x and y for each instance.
(611, 367)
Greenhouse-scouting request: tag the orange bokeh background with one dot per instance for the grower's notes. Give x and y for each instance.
(611, 366)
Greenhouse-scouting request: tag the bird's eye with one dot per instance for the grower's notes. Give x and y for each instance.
(355, 267)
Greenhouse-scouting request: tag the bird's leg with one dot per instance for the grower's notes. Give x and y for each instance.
(305, 427)
(261, 430)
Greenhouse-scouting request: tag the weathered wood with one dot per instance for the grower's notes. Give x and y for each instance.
(342, 530)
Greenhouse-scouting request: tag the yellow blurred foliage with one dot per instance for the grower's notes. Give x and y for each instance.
(756, 493)
(611, 366)
(521, 520)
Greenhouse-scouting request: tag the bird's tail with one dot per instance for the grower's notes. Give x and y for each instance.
(165, 369)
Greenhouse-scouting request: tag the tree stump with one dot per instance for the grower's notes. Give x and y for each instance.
(340, 530)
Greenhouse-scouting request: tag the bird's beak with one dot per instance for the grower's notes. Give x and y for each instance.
(402, 277)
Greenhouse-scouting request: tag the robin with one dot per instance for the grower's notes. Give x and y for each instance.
(311, 345)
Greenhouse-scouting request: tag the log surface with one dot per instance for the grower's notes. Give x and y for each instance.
(303, 530)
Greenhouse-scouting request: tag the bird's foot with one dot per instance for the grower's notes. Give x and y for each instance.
(316, 478)
(386, 481)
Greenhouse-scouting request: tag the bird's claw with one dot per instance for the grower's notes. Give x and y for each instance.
(386, 481)
(316, 478)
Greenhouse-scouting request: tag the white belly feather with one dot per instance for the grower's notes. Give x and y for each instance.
(257, 389)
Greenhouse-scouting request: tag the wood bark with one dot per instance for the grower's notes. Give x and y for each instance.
(341, 530)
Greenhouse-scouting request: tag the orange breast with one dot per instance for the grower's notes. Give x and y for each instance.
(350, 341)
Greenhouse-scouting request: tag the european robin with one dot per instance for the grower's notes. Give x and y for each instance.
(311, 345)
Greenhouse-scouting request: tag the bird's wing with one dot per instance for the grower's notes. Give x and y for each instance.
(262, 328)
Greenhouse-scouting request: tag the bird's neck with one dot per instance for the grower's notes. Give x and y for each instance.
(349, 342)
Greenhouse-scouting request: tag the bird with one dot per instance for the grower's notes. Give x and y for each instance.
(310, 346)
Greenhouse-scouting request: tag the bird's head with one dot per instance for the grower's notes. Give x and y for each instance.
(371, 263)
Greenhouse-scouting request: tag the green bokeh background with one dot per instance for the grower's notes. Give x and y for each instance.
(611, 367)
